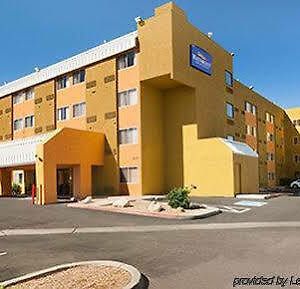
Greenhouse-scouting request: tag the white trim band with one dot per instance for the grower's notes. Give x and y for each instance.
(90, 56)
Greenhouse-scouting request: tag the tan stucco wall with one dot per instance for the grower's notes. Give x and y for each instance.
(44, 109)
(6, 117)
(101, 115)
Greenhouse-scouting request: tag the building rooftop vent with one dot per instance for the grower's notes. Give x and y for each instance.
(210, 34)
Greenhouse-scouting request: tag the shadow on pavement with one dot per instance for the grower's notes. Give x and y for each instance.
(144, 283)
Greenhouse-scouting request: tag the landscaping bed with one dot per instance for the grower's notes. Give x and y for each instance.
(89, 274)
(103, 277)
(152, 206)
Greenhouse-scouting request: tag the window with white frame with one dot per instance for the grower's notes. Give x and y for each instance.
(18, 124)
(129, 175)
(79, 76)
(229, 110)
(248, 106)
(269, 117)
(18, 98)
(270, 156)
(126, 60)
(127, 97)
(128, 136)
(29, 121)
(254, 131)
(271, 176)
(29, 94)
(270, 137)
(248, 129)
(62, 113)
(62, 82)
(79, 109)
(228, 78)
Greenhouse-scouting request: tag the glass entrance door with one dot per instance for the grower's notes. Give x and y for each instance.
(65, 183)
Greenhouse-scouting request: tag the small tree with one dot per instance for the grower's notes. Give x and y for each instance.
(178, 197)
(16, 189)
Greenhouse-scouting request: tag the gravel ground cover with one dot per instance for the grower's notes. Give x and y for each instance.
(84, 277)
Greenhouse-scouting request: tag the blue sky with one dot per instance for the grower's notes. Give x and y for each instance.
(264, 35)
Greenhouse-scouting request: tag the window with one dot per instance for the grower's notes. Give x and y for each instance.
(270, 137)
(228, 78)
(296, 159)
(128, 97)
(62, 82)
(248, 106)
(79, 109)
(18, 98)
(129, 175)
(29, 94)
(295, 140)
(271, 176)
(29, 121)
(126, 60)
(63, 113)
(230, 137)
(269, 117)
(248, 129)
(128, 136)
(229, 110)
(270, 157)
(79, 76)
(254, 131)
(18, 124)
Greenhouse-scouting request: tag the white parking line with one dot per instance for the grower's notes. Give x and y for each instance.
(3, 253)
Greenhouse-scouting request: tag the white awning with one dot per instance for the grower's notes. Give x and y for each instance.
(240, 148)
(20, 152)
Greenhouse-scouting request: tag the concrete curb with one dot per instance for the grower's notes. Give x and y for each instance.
(135, 274)
(207, 213)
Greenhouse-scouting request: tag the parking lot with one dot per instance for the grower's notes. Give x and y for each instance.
(168, 257)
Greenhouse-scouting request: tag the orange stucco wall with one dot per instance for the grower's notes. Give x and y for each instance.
(84, 150)
(130, 154)
(21, 110)
(68, 97)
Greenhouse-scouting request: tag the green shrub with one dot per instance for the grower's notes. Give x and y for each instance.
(178, 197)
(16, 189)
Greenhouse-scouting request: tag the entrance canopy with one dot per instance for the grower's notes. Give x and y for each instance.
(20, 152)
(240, 148)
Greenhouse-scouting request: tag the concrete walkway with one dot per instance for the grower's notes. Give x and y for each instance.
(154, 228)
